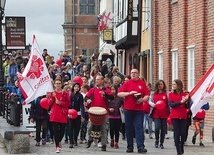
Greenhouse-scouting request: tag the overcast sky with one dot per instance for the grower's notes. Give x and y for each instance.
(44, 18)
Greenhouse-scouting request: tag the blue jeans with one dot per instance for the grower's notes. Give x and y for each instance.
(179, 126)
(134, 121)
(148, 119)
(160, 129)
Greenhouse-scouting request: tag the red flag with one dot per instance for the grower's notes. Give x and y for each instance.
(35, 81)
(201, 93)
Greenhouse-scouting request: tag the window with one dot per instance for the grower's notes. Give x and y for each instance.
(160, 65)
(191, 67)
(87, 7)
(84, 52)
(174, 64)
(146, 13)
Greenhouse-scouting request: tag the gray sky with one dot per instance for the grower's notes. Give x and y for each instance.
(44, 19)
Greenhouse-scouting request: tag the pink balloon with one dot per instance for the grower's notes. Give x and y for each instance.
(160, 105)
(44, 103)
(78, 79)
(72, 113)
(59, 62)
(169, 121)
(201, 114)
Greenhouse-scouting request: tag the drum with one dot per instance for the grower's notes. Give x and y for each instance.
(97, 116)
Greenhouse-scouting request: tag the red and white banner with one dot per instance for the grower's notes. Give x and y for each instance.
(105, 20)
(202, 91)
(35, 81)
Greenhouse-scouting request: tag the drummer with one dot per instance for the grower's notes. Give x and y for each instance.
(98, 97)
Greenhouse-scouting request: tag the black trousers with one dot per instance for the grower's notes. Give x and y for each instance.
(41, 124)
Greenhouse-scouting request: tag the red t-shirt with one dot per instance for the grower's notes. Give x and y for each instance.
(163, 113)
(98, 100)
(130, 102)
(180, 111)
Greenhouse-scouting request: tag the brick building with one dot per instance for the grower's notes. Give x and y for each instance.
(183, 43)
(80, 27)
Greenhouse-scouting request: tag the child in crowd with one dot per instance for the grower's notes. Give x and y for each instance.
(40, 116)
(199, 126)
(114, 117)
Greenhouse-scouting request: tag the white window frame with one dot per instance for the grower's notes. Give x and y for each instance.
(191, 67)
(160, 65)
(174, 63)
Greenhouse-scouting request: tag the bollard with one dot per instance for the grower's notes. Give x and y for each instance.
(15, 112)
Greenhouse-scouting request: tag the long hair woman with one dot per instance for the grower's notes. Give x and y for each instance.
(160, 115)
(178, 103)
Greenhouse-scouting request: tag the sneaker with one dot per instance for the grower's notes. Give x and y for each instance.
(57, 150)
(71, 146)
(161, 146)
(99, 145)
(156, 144)
(201, 144)
(150, 136)
(112, 143)
(166, 136)
(52, 141)
(129, 150)
(37, 144)
(116, 146)
(103, 148)
(60, 146)
(142, 150)
(43, 141)
(89, 143)
(85, 141)
(193, 139)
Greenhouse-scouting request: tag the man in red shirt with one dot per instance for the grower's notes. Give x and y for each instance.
(133, 108)
(98, 97)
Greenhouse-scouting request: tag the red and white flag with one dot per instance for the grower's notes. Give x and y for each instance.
(105, 20)
(35, 81)
(202, 91)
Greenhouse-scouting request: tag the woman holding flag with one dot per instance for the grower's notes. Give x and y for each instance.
(178, 103)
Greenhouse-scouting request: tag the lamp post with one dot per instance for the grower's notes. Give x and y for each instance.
(2, 6)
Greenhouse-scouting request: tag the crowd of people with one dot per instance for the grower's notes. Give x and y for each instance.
(123, 97)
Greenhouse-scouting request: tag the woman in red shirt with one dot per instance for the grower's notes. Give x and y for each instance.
(160, 115)
(177, 102)
(59, 102)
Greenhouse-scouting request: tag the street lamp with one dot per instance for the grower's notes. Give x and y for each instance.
(2, 6)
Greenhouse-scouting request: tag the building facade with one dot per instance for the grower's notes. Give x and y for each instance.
(182, 43)
(80, 27)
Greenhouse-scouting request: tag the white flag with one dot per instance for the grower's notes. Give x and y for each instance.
(202, 91)
(35, 81)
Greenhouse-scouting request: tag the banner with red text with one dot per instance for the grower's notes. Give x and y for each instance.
(35, 81)
(202, 91)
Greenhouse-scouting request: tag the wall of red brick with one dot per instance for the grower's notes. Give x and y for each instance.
(177, 26)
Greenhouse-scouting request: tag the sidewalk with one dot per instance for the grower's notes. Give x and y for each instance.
(49, 149)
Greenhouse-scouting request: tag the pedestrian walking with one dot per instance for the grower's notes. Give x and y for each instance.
(59, 102)
(178, 101)
(135, 92)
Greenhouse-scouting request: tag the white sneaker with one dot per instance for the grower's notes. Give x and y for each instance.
(166, 136)
(95, 142)
(99, 145)
(57, 150)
